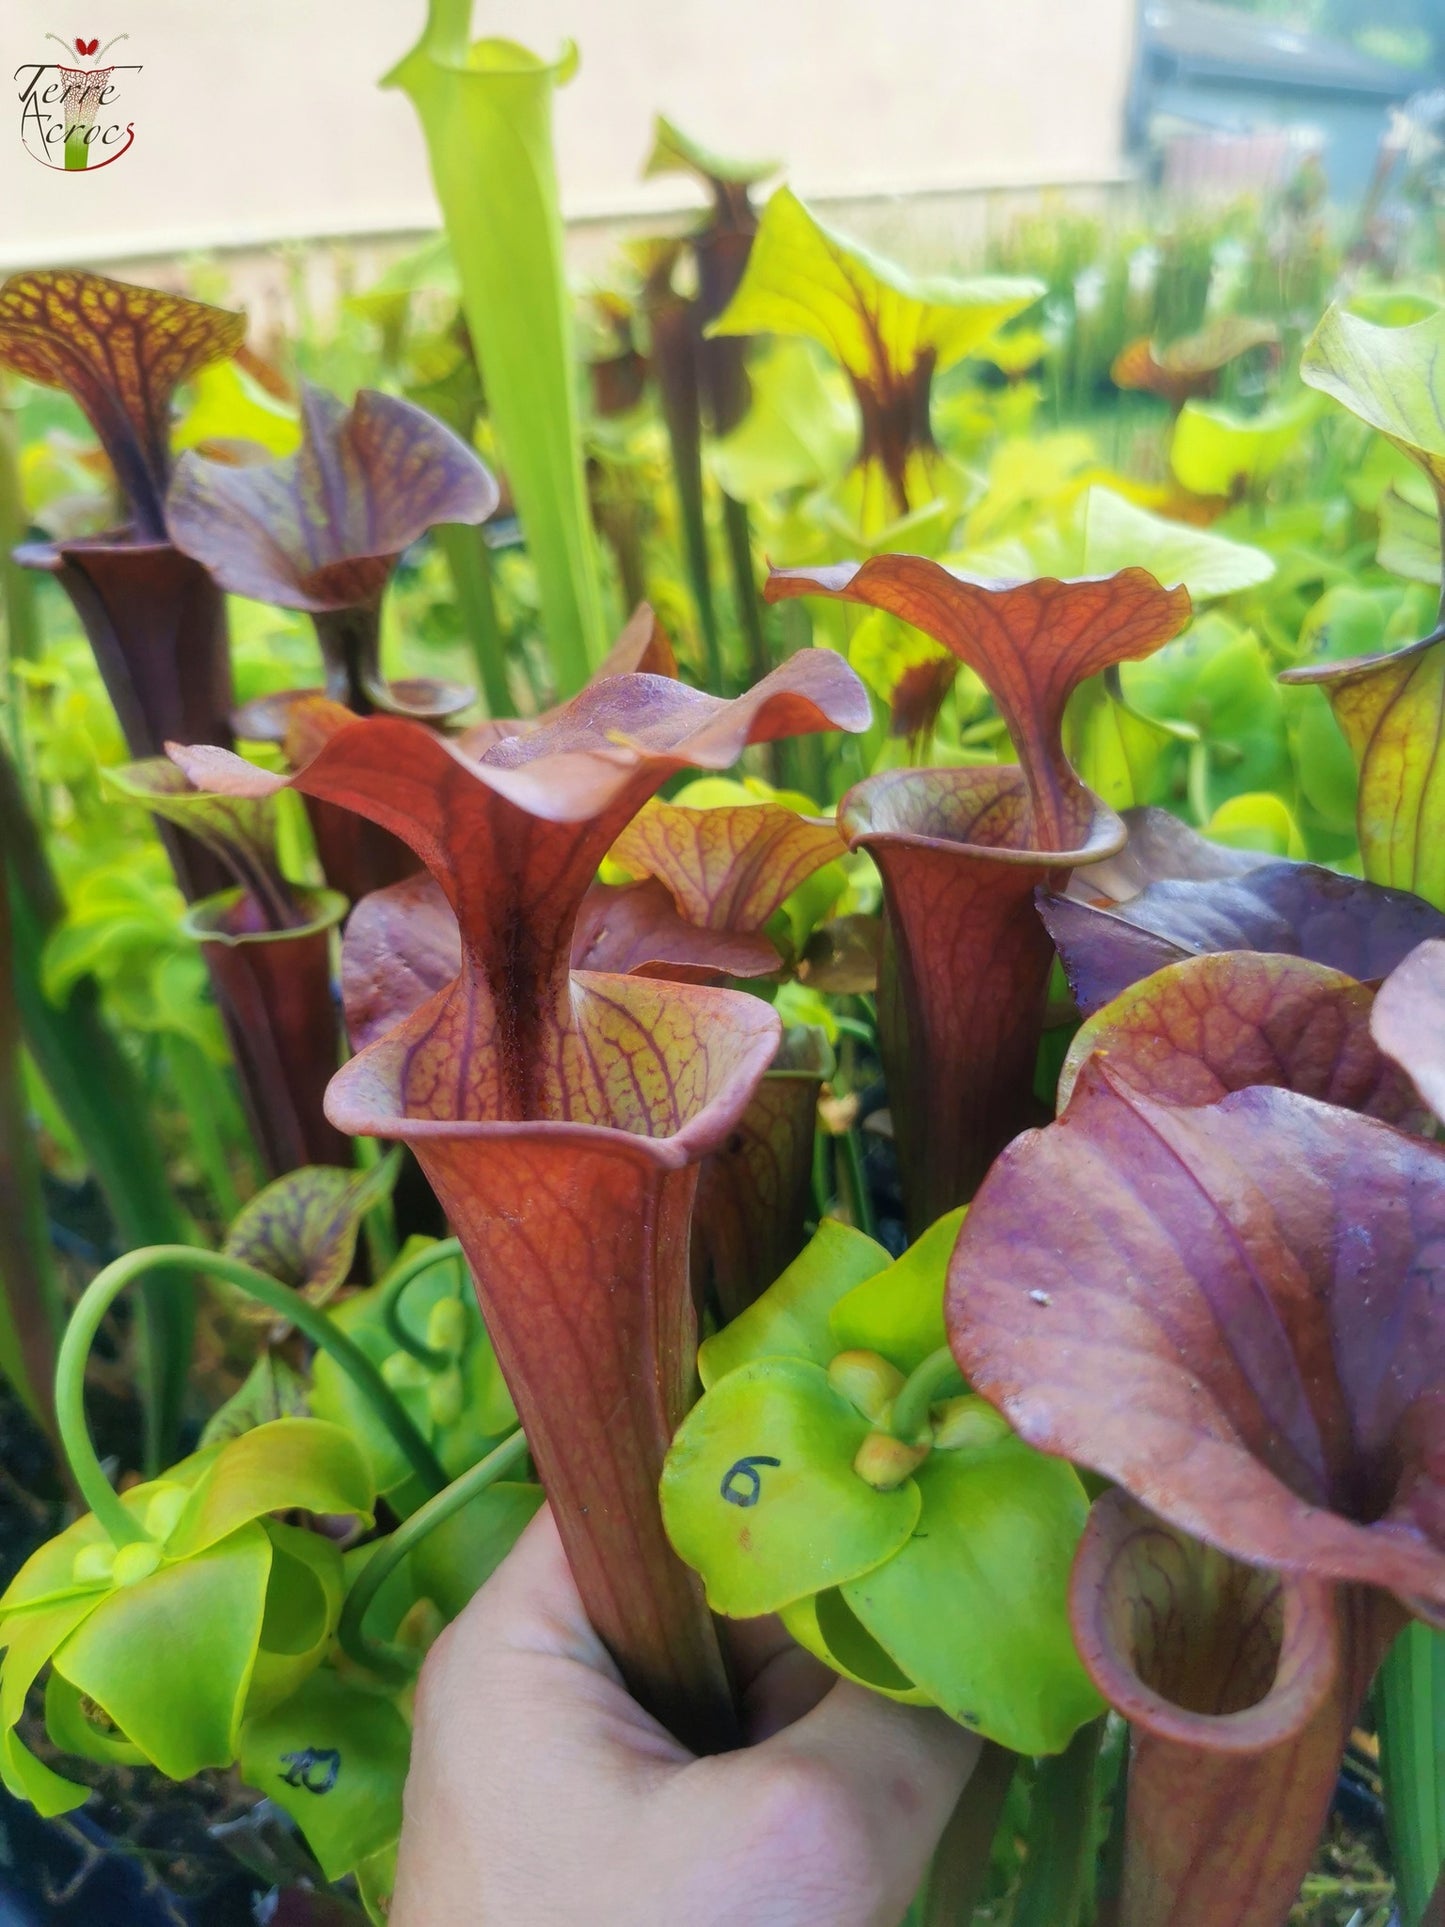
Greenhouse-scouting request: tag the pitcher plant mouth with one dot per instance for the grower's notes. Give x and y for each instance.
(891, 808)
(367, 1096)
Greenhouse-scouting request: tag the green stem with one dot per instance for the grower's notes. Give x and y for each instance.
(1059, 1866)
(101, 1293)
(680, 417)
(924, 1386)
(379, 1224)
(958, 1877)
(470, 562)
(850, 1146)
(392, 1662)
(397, 1284)
(17, 585)
(1410, 1696)
(745, 587)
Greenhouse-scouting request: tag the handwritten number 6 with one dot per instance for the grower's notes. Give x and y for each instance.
(742, 1482)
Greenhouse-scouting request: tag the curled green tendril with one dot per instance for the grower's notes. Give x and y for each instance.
(101, 1293)
(396, 1664)
(392, 1292)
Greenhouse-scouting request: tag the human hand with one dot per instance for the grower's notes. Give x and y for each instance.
(542, 1795)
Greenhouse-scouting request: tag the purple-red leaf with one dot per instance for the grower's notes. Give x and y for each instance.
(1391, 708)
(1032, 643)
(728, 868)
(1161, 848)
(121, 352)
(302, 1229)
(1241, 1686)
(560, 1117)
(1197, 1030)
(962, 851)
(240, 831)
(1409, 1021)
(635, 930)
(515, 838)
(576, 1226)
(403, 944)
(322, 529)
(274, 989)
(1290, 909)
(1266, 1276)
(965, 964)
(754, 1191)
(643, 648)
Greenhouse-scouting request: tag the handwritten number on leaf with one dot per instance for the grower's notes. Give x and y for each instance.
(316, 1768)
(742, 1482)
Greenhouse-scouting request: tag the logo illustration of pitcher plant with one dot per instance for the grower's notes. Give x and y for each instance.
(83, 98)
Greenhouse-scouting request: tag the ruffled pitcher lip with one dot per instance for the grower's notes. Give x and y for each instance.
(51, 554)
(361, 1098)
(1107, 836)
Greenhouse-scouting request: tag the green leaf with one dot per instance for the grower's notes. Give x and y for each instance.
(457, 1557)
(790, 1320)
(1257, 821)
(1217, 678)
(883, 649)
(759, 1494)
(303, 1603)
(31, 1638)
(72, 1729)
(240, 830)
(272, 1389)
(302, 1228)
(486, 112)
(227, 405)
(1345, 622)
(1117, 534)
(169, 1659)
(1217, 451)
(291, 1464)
(974, 1607)
(1392, 378)
(826, 1626)
(900, 1311)
(334, 1756)
(77, 1561)
(1409, 542)
(874, 317)
(799, 431)
(96, 1088)
(673, 152)
(375, 1882)
(30, 1779)
(485, 1409)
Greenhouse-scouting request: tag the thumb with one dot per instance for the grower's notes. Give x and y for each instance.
(890, 1775)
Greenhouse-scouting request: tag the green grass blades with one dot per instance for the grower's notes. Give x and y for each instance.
(95, 1087)
(486, 111)
(29, 1288)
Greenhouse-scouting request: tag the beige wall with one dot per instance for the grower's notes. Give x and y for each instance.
(260, 119)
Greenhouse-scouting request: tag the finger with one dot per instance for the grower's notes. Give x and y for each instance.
(788, 1686)
(922, 1751)
(524, 1650)
(531, 1604)
(897, 1772)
